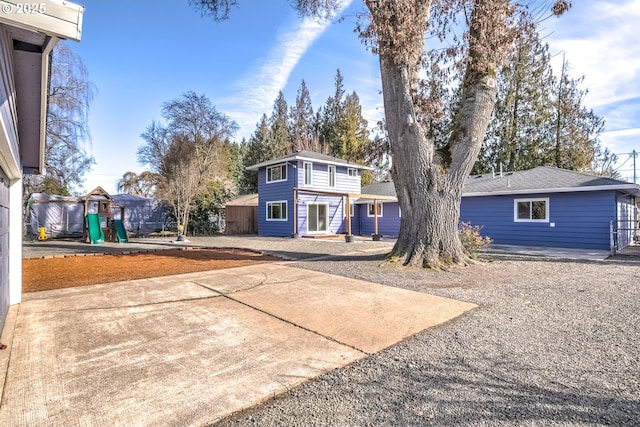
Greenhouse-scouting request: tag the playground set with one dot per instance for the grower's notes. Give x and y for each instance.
(100, 224)
(101, 219)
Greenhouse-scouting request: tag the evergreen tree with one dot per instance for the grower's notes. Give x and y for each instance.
(280, 140)
(301, 121)
(519, 134)
(256, 150)
(576, 129)
(332, 117)
(540, 119)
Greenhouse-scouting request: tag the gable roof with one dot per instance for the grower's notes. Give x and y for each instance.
(543, 179)
(311, 156)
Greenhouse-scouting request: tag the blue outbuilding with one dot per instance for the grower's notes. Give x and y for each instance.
(310, 194)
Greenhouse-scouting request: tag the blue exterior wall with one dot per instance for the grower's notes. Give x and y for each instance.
(281, 191)
(581, 219)
(388, 223)
(273, 192)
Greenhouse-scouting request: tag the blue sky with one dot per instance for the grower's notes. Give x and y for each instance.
(141, 54)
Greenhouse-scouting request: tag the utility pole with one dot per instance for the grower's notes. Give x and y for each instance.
(634, 153)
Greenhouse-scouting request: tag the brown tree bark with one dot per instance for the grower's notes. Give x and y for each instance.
(429, 182)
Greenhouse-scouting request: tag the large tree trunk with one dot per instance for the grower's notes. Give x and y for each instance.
(429, 181)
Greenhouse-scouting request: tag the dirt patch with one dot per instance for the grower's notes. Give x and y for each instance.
(65, 272)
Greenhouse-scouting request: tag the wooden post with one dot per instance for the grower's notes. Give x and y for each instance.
(295, 213)
(375, 217)
(348, 210)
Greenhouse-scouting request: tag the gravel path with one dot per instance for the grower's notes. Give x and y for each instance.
(552, 343)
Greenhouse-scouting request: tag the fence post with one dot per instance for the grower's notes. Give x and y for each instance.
(612, 244)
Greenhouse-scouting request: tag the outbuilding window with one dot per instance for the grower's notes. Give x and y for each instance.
(332, 176)
(308, 173)
(371, 210)
(277, 173)
(531, 210)
(277, 211)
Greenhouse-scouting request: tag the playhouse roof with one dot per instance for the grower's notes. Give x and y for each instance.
(309, 156)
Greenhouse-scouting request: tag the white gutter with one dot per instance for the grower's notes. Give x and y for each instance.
(58, 18)
(307, 159)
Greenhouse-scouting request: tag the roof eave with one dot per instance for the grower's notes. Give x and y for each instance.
(61, 19)
(305, 159)
(632, 189)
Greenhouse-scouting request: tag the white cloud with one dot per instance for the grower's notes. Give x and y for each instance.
(599, 39)
(258, 90)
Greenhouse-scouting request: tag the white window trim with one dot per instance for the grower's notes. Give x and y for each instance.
(304, 169)
(327, 219)
(537, 199)
(352, 172)
(335, 176)
(380, 210)
(273, 167)
(285, 210)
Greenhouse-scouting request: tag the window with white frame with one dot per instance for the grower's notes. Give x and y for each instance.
(277, 173)
(332, 176)
(370, 212)
(353, 172)
(277, 211)
(308, 173)
(531, 210)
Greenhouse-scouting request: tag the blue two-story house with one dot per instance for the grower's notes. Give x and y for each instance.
(307, 193)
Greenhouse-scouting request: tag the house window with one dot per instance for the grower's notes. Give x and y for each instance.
(277, 211)
(353, 172)
(531, 210)
(308, 173)
(370, 212)
(277, 173)
(332, 176)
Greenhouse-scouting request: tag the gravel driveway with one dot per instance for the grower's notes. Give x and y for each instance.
(552, 343)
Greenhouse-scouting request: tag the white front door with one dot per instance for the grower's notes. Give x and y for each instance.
(317, 217)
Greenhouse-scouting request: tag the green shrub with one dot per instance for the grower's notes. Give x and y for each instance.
(471, 238)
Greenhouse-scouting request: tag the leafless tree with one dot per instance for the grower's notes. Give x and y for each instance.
(187, 152)
(70, 95)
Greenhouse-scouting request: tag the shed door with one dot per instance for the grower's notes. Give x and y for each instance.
(4, 247)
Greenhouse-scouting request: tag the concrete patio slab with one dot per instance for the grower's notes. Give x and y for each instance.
(193, 348)
(366, 316)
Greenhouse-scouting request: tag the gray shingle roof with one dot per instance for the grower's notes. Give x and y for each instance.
(543, 179)
(307, 155)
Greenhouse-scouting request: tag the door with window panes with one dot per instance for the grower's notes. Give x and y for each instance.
(317, 217)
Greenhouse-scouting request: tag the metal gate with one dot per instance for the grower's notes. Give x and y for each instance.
(4, 247)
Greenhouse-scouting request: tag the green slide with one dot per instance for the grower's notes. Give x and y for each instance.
(121, 232)
(95, 230)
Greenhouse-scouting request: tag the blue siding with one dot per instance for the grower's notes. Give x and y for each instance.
(283, 191)
(336, 220)
(273, 192)
(320, 180)
(581, 219)
(388, 223)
